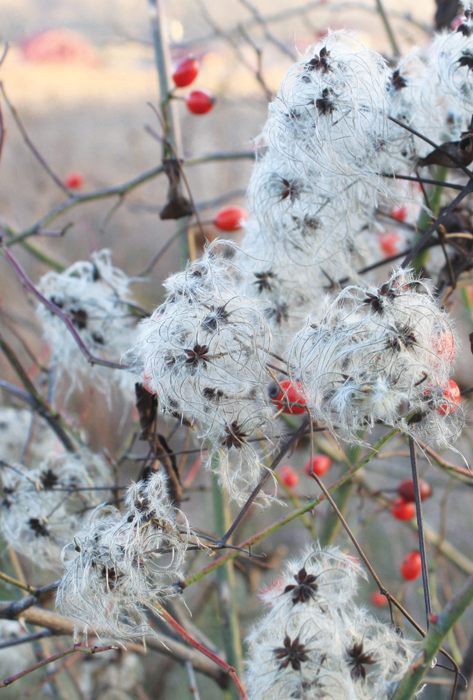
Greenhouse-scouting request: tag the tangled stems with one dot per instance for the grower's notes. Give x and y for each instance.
(431, 230)
(296, 513)
(441, 625)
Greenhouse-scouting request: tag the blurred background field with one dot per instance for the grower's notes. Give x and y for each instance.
(86, 113)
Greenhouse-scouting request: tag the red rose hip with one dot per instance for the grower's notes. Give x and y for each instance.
(230, 218)
(399, 213)
(411, 567)
(320, 465)
(199, 101)
(451, 394)
(288, 476)
(406, 490)
(186, 72)
(379, 600)
(403, 510)
(288, 393)
(74, 181)
(389, 244)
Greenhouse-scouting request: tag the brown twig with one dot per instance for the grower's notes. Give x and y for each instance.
(232, 41)
(268, 34)
(45, 165)
(388, 28)
(51, 676)
(12, 610)
(163, 644)
(433, 144)
(51, 659)
(274, 465)
(121, 190)
(425, 180)
(57, 423)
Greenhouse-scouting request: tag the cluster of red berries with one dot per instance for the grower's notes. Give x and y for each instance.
(411, 568)
(201, 102)
(319, 465)
(403, 507)
(197, 101)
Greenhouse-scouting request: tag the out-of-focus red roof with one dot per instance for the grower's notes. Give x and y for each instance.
(58, 46)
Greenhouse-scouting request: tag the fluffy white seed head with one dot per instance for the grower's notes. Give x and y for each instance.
(451, 60)
(380, 354)
(42, 508)
(97, 299)
(120, 564)
(204, 352)
(330, 111)
(315, 642)
(15, 427)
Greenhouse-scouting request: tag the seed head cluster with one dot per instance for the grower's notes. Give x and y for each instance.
(315, 642)
(380, 354)
(204, 353)
(97, 299)
(43, 508)
(120, 563)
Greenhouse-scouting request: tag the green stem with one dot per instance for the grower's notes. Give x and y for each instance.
(297, 504)
(387, 26)
(332, 522)
(431, 644)
(18, 584)
(226, 583)
(425, 218)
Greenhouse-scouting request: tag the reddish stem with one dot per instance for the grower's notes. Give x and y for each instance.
(224, 666)
(50, 659)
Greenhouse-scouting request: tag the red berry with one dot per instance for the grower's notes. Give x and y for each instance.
(230, 218)
(389, 243)
(406, 490)
(379, 599)
(320, 465)
(186, 72)
(290, 394)
(433, 618)
(451, 393)
(399, 213)
(74, 181)
(199, 101)
(411, 567)
(289, 477)
(403, 510)
(443, 345)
